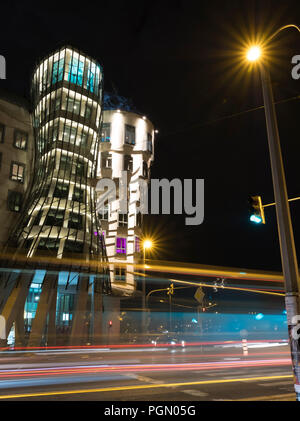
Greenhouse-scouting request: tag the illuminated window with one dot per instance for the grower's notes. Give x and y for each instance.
(123, 219)
(14, 201)
(106, 160)
(88, 111)
(70, 134)
(20, 140)
(120, 274)
(103, 213)
(76, 71)
(2, 131)
(73, 105)
(17, 172)
(149, 142)
(137, 245)
(105, 133)
(129, 134)
(121, 245)
(58, 70)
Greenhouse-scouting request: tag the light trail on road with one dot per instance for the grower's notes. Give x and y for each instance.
(143, 386)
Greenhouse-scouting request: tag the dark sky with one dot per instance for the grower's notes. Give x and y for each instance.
(179, 62)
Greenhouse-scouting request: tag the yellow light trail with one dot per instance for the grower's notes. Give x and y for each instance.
(143, 386)
(162, 266)
(200, 284)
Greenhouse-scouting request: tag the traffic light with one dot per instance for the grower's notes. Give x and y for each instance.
(257, 214)
(110, 323)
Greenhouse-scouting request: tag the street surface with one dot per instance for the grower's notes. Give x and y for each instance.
(192, 373)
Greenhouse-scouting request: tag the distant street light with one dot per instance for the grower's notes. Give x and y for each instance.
(286, 236)
(147, 244)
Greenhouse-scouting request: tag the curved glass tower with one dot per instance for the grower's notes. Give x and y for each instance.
(58, 234)
(60, 217)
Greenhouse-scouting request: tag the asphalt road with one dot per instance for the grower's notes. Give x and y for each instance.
(194, 373)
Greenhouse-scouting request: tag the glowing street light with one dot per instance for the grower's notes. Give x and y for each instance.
(147, 244)
(254, 53)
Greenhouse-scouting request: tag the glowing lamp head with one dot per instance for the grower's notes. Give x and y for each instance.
(147, 244)
(254, 53)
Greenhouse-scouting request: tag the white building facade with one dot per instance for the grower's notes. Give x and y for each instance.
(126, 145)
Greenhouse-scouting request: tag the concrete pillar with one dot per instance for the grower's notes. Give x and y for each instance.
(51, 337)
(49, 289)
(15, 303)
(79, 327)
(20, 329)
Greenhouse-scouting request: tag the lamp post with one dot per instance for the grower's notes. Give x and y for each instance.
(147, 245)
(284, 223)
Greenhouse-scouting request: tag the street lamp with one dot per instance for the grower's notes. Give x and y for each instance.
(147, 244)
(285, 229)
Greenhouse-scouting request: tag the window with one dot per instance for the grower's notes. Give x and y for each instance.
(103, 213)
(92, 77)
(55, 104)
(65, 163)
(69, 134)
(58, 70)
(14, 201)
(121, 245)
(48, 244)
(137, 245)
(149, 142)
(73, 105)
(129, 134)
(123, 219)
(75, 221)
(120, 274)
(76, 71)
(78, 195)
(2, 132)
(73, 246)
(37, 218)
(128, 163)
(55, 218)
(20, 140)
(81, 168)
(106, 160)
(105, 133)
(61, 190)
(17, 172)
(145, 169)
(88, 111)
(139, 219)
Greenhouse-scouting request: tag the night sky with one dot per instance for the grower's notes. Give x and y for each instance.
(179, 62)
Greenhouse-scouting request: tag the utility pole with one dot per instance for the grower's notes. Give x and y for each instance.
(285, 229)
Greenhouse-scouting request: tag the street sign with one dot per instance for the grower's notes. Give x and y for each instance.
(199, 295)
